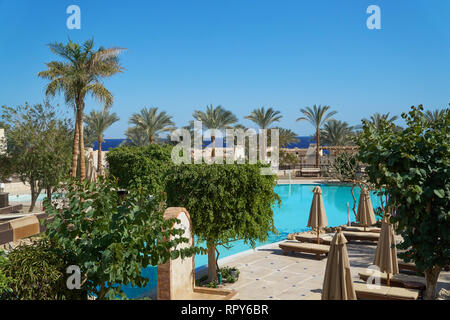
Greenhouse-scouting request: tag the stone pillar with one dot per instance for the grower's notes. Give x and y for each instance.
(176, 278)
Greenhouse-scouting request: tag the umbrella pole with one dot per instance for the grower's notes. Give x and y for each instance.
(318, 236)
(388, 280)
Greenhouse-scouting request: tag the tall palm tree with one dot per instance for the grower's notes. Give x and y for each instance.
(79, 74)
(336, 133)
(317, 116)
(98, 122)
(264, 118)
(152, 122)
(215, 119)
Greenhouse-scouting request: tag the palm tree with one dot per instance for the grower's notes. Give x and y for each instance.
(264, 118)
(152, 122)
(215, 119)
(79, 74)
(287, 136)
(377, 118)
(98, 122)
(317, 116)
(136, 137)
(336, 133)
(432, 116)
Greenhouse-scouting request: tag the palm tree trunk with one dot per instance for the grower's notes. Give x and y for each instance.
(76, 141)
(82, 156)
(150, 139)
(213, 143)
(99, 157)
(317, 148)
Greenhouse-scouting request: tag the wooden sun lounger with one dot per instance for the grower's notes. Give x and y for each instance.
(362, 236)
(361, 229)
(293, 246)
(397, 280)
(310, 238)
(310, 172)
(384, 292)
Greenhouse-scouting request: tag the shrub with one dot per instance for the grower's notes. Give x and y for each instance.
(225, 202)
(37, 272)
(149, 164)
(112, 239)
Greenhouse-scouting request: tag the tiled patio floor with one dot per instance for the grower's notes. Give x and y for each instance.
(267, 274)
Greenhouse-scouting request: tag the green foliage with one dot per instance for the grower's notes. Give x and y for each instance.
(229, 274)
(226, 202)
(39, 146)
(37, 272)
(149, 164)
(112, 239)
(413, 166)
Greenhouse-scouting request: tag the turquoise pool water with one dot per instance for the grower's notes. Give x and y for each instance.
(25, 198)
(291, 216)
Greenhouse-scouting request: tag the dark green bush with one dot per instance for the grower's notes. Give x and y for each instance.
(149, 164)
(37, 272)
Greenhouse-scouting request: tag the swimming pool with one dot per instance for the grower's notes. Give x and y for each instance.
(291, 216)
(23, 198)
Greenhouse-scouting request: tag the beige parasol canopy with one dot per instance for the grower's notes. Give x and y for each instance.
(386, 253)
(337, 283)
(317, 216)
(365, 215)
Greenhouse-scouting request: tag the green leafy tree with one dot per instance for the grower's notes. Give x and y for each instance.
(80, 74)
(225, 202)
(111, 239)
(151, 122)
(98, 122)
(149, 164)
(37, 272)
(413, 166)
(39, 147)
(317, 116)
(215, 119)
(336, 133)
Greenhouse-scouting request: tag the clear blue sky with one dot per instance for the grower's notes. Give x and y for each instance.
(184, 55)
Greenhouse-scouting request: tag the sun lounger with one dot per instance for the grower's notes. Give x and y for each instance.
(361, 229)
(310, 172)
(363, 291)
(311, 238)
(293, 246)
(363, 236)
(397, 280)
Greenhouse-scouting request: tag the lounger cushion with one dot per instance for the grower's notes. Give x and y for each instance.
(349, 235)
(305, 247)
(384, 292)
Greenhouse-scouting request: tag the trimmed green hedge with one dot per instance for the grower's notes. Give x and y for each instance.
(149, 164)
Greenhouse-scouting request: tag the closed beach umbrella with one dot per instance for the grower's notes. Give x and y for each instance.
(337, 283)
(386, 253)
(317, 216)
(365, 214)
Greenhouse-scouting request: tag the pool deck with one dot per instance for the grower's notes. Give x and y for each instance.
(267, 274)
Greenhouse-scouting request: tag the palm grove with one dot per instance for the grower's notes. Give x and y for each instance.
(46, 149)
